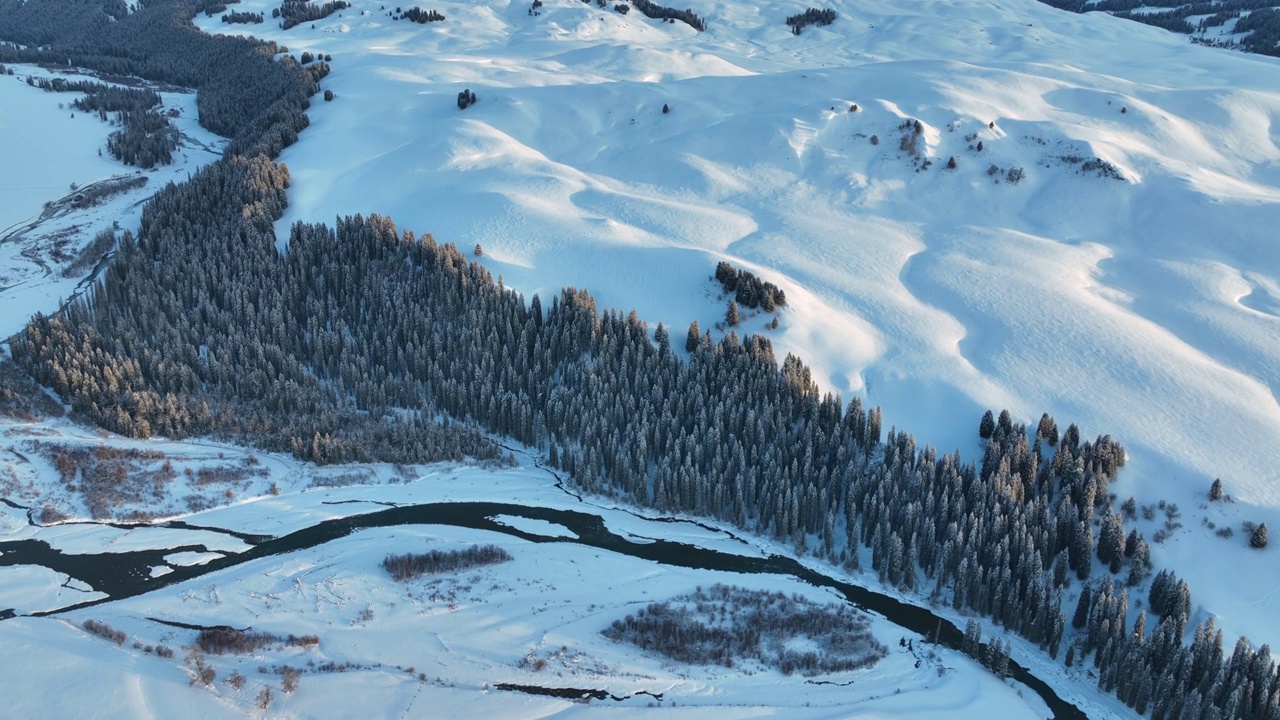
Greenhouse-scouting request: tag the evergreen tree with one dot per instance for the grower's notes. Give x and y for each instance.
(1258, 538)
(694, 339)
(1081, 617)
(1215, 490)
(988, 426)
(1047, 430)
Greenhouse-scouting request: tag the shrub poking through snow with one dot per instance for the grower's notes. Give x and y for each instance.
(725, 625)
(106, 631)
(411, 565)
(225, 640)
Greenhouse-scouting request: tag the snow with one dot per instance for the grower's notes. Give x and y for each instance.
(1146, 307)
(446, 641)
(543, 528)
(191, 558)
(31, 588)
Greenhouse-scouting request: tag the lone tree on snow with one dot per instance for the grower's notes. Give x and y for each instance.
(1259, 537)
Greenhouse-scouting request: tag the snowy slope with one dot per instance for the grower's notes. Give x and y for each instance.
(1146, 307)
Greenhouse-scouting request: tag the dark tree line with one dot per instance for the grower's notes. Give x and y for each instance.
(296, 12)
(418, 15)
(812, 16)
(243, 18)
(748, 289)
(1257, 32)
(242, 92)
(365, 342)
(412, 565)
(660, 12)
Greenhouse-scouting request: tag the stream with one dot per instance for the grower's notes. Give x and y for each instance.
(127, 574)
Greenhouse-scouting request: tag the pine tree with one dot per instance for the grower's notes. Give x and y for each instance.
(694, 339)
(1215, 490)
(988, 426)
(1081, 618)
(1259, 537)
(1047, 429)
(663, 339)
(731, 315)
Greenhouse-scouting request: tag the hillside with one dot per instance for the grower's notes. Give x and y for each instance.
(1138, 298)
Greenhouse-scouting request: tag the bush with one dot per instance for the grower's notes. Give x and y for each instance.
(105, 631)
(409, 566)
(726, 624)
(223, 640)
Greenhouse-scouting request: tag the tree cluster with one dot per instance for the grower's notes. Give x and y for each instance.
(812, 16)
(147, 138)
(748, 289)
(660, 12)
(726, 625)
(243, 93)
(466, 98)
(296, 12)
(408, 566)
(1258, 28)
(419, 15)
(243, 18)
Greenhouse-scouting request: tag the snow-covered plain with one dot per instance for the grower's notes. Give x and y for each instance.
(1146, 307)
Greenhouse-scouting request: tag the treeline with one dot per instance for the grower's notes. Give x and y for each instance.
(365, 342)
(242, 92)
(660, 12)
(812, 16)
(296, 12)
(1256, 32)
(146, 139)
(418, 15)
(243, 18)
(748, 289)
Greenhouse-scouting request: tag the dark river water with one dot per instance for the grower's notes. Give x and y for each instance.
(127, 574)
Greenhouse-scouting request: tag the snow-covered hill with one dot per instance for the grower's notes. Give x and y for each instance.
(1137, 296)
